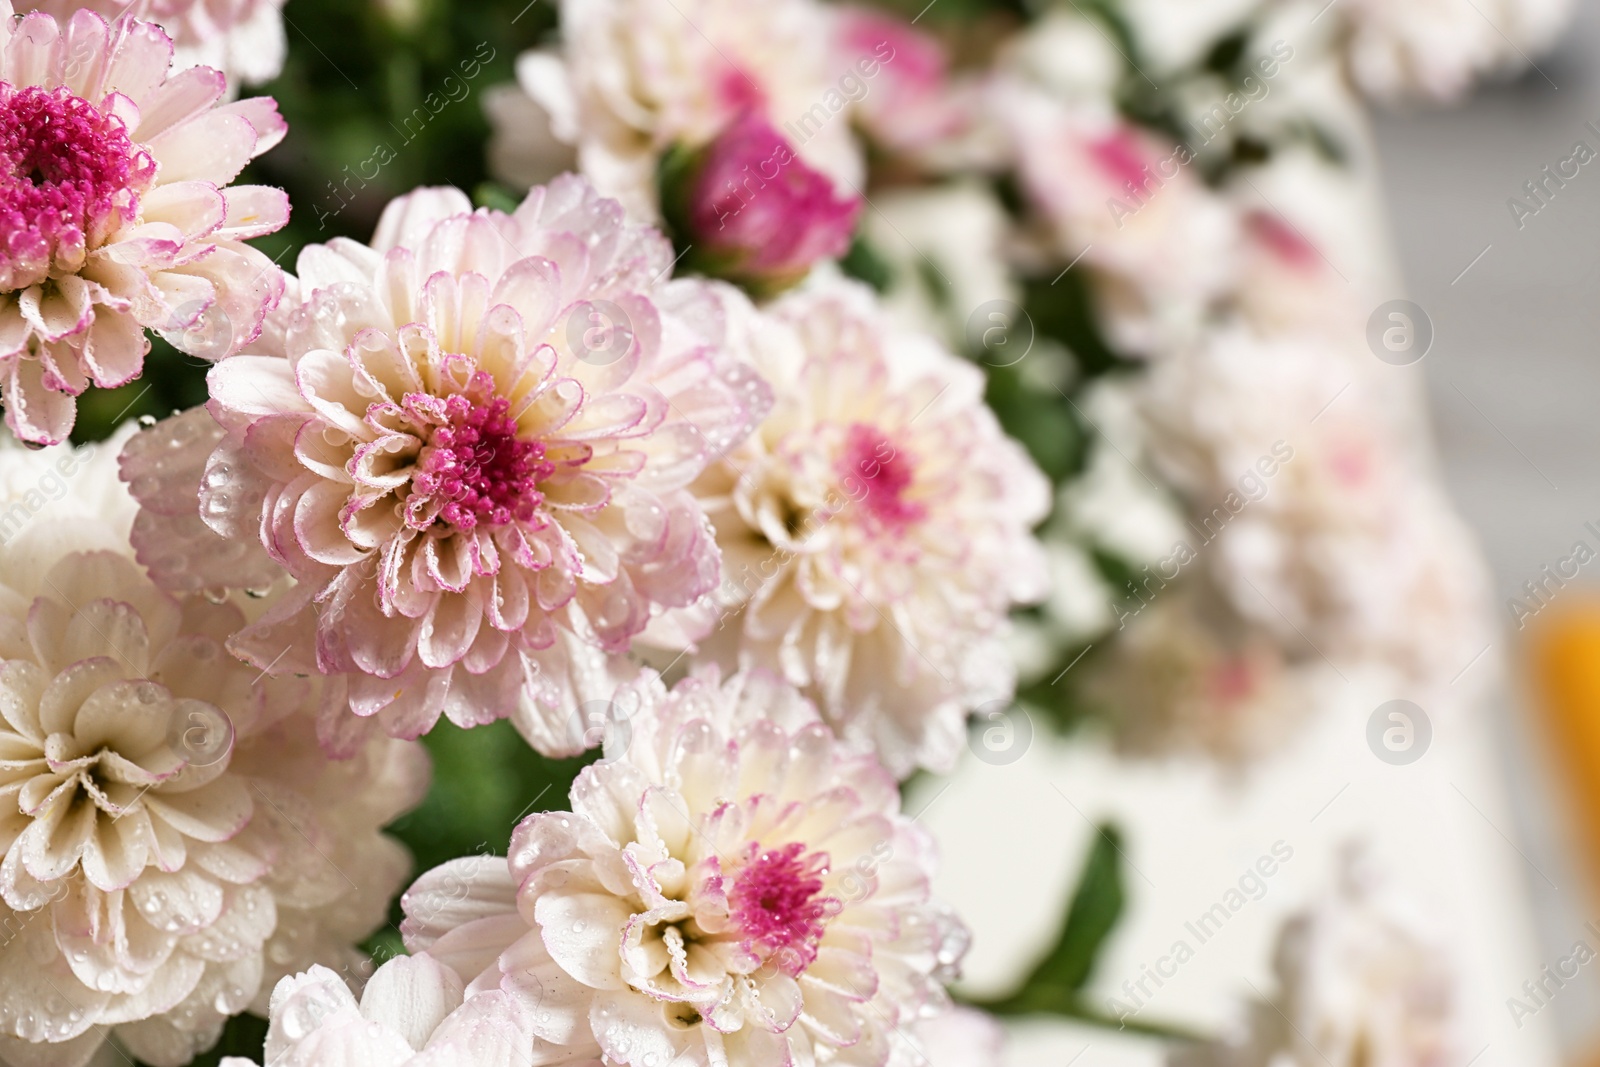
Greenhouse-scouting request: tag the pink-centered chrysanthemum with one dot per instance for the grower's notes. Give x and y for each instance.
(876, 529)
(474, 459)
(1132, 207)
(116, 213)
(173, 839)
(733, 886)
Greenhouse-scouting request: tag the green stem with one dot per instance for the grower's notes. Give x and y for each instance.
(1071, 1006)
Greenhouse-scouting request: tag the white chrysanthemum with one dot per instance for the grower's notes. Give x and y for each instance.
(175, 841)
(1364, 978)
(961, 1037)
(1436, 49)
(117, 213)
(411, 1014)
(1184, 673)
(1318, 517)
(473, 461)
(733, 886)
(633, 78)
(1126, 206)
(876, 529)
(242, 38)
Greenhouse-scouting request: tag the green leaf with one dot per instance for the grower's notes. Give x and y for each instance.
(1055, 986)
(864, 264)
(485, 781)
(496, 197)
(1096, 906)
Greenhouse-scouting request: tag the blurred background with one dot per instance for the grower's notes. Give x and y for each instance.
(1514, 386)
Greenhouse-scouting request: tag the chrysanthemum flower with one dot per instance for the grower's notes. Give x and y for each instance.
(1436, 49)
(1161, 245)
(411, 1014)
(1326, 530)
(733, 885)
(175, 840)
(1185, 673)
(910, 105)
(242, 38)
(634, 78)
(1365, 975)
(116, 212)
(474, 458)
(876, 529)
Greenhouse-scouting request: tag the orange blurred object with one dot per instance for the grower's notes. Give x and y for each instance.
(1563, 657)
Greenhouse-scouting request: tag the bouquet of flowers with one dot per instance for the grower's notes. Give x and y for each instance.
(507, 623)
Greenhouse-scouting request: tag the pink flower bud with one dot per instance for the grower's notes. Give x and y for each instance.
(756, 213)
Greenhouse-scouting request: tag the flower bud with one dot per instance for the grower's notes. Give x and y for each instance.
(750, 209)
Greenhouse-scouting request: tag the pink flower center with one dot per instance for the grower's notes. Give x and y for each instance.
(877, 476)
(1233, 680)
(778, 905)
(69, 177)
(474, 468)
(1282, 241)
(1120, 158)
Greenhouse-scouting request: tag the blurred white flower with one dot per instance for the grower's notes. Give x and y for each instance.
(1436, 49)
(946, 245)
(1184, 673)
(876, 528)
(473, 461)
(242, 38)
(118, 212)
(1068, 54)
(734, 885)
(1312, 509)
(633, 78)
(411, 1014)
(1365, 979)
(177, 841)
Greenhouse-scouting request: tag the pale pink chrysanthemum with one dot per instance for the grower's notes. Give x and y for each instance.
(474, 459)
(876, 529)
(1161, 244)
(242, 38)
(116, 212)
(174, 840)
(733, 886)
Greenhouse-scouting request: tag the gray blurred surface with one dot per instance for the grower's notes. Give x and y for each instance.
(1514, 384)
